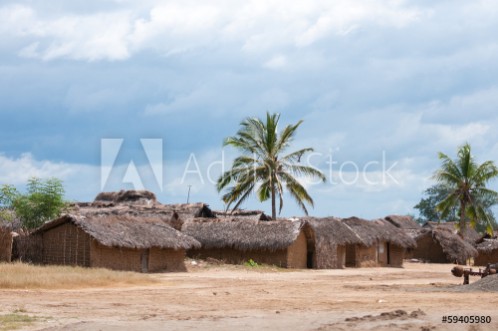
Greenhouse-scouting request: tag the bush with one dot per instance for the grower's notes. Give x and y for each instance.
(43, 201)
(251, 263)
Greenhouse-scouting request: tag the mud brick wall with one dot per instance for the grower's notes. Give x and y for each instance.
(429, 250)
(484, 258)
(366, 256)
(397, 255)
(66, 245)
(115, 258)
(166, 260)
(234, 256)
(297, 253)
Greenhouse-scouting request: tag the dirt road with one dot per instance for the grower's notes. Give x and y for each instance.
(236, 298)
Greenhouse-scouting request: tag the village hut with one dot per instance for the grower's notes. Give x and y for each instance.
(405, 223)
(469, 234)
(327, 238)
(279, 242)
(488, 252)
(142, 204)
(408, 225)
(6, 240)
(117, 242)
(438, 244)
(383, 244)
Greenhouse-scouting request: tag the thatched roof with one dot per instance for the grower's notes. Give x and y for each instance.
(243, 234)
(139, 203)
(487, 246)
(469, 234)
(332, 230)
(453, 246)
(130, 196)
(403, 221)
(257, 215)
(379, 230)
(126, 231)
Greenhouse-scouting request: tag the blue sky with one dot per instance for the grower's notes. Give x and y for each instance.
(387, 84)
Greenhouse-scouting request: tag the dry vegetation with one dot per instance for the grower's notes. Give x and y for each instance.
(26, 276)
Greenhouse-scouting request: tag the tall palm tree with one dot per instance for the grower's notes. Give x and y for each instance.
(466, 182)
(262, 169)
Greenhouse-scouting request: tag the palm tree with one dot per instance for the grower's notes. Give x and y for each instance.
(466, 182)
(261, 167)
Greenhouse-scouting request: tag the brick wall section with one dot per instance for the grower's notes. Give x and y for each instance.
(396, 254)
(234, 256)
(382, 254)
(115, 258)
(484, 259)
(326, 256)
(340, 257)
(166, 260)
(429, 250)
(5, 245)
(66, 245)
(366, 256)
(297, 253)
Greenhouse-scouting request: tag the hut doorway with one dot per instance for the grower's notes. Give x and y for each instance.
(350, 255)
(309, 259)
(310, 247)
(388, 252)
(145, 260)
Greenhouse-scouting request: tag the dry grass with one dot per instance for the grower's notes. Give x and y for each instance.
(26, 276)
(15, 321)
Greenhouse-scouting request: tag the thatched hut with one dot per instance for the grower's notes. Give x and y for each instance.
(442, 245)
(405, 223)
(278, 242)
(488, 252)
(383, 244)
(470, 235)
(142, 204)
(117, 242)
(327, 239)
(408, 225)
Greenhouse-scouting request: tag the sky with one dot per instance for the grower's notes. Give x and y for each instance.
(121, 94)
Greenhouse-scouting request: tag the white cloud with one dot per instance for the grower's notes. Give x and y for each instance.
(18, 170)
(172, 27)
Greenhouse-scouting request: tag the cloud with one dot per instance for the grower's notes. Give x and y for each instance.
(18, 170)
(171, 27)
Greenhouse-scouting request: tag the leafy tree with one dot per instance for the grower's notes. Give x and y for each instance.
(263, 164)
(428, 211)
(466, 182)
(43, 201)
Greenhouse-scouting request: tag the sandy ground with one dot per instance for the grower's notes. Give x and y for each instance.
(236, 298)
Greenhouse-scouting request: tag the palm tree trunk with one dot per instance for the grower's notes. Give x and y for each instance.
(273, 205)
(462, 218)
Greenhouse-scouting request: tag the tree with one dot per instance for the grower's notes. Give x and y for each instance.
(466, 181)
(43, 201)
(428, 211)
(262, 168)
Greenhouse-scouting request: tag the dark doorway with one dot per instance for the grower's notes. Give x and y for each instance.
(350, 255)
(388, 247)
(309, 259)
(145, 260)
